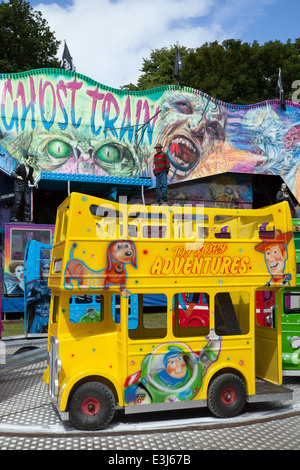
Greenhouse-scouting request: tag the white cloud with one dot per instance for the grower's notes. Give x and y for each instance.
(236, 16)
(108, 40)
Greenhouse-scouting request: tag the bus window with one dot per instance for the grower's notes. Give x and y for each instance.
(191, 314)
(81, 299)
(232, 313)
(221, 228)
(132, 231)
(154, 231)
(265, 305)
(291, 302)
(202, 232)
(242, 227)
(189, 226)
(152, 317)
(86, 308)
(132, 310)
(45, 253)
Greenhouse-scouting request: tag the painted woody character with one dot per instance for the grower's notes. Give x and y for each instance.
(275, 251)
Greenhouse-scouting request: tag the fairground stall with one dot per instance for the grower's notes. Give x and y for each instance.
(89, 138)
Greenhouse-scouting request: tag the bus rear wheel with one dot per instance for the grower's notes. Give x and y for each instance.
(227, 395)
(92, 406)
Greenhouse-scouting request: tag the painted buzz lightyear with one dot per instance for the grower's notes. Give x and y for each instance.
(173, 372)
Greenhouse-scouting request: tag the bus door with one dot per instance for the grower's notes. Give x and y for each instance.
(268, 348)
(165, 366)
(265, 308)
(144, 343)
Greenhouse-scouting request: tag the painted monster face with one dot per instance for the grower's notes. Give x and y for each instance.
(192, 126)
(75, 154)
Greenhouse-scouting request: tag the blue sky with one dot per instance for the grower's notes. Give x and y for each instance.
(108, 39)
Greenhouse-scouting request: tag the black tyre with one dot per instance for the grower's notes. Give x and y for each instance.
(92, 406)
(227, 395)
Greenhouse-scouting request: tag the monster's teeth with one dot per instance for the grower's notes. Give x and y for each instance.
(179, 160)
(180, 140)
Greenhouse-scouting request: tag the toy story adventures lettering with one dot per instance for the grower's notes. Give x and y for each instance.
(208, 259)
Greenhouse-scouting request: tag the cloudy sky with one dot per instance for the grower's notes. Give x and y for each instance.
(108, 39)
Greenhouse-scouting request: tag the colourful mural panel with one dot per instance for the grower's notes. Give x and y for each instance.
(16, 238)
(73, 124)
(226, 190)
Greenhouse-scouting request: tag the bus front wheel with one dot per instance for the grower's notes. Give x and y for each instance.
(92, 406)
(227, 395)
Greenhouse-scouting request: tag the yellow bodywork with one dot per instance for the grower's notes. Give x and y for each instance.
(171, 250)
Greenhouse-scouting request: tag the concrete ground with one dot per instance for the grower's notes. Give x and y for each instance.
(28, 421)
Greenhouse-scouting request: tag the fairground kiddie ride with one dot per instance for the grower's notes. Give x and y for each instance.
(107, 249)
(289, 306)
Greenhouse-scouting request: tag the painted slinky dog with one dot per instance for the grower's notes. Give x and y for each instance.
(119, 253)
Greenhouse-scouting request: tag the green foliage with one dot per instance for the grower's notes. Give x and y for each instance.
(233, 72)
(158, 70)
(14, 328)
(26, 42)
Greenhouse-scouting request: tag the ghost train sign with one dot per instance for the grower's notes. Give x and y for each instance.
(70, 103)
(72, 124)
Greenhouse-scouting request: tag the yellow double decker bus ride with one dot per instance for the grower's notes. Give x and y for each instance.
(175, 325)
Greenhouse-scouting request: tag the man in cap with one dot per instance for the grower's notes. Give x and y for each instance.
(161, 167)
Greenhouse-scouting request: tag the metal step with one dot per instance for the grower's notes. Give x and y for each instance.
(24, 359)
(267, 391)
(23, 341)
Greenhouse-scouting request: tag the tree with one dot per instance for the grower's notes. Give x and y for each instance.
(233, 72)
(26, 42)
(158, 70)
